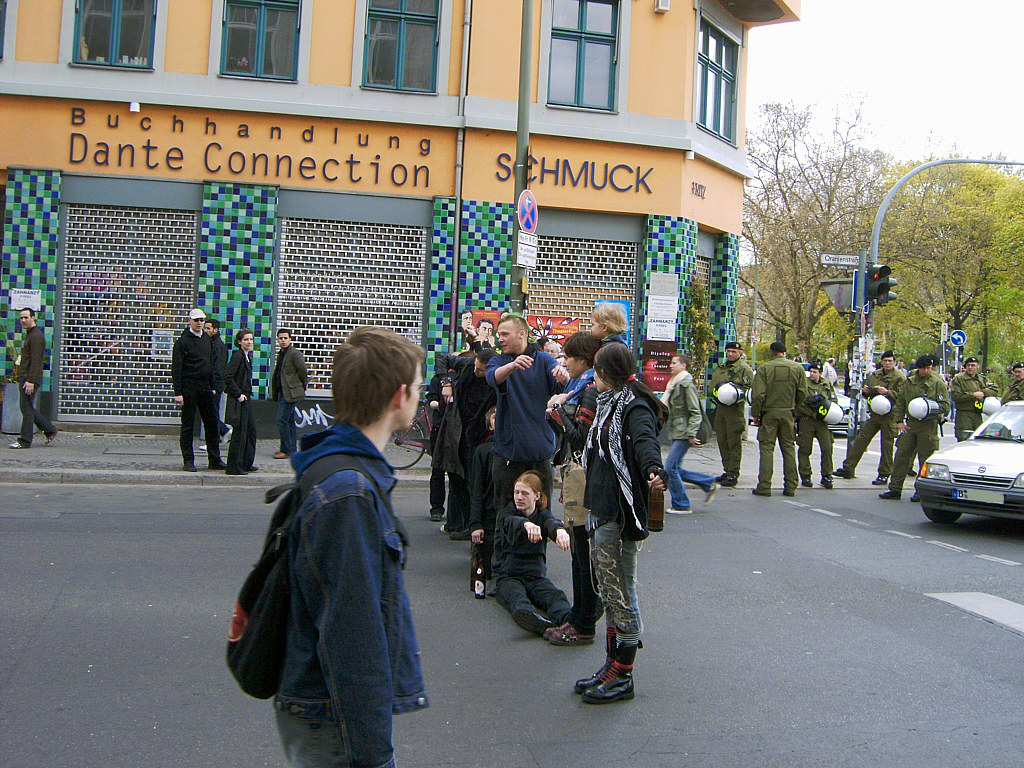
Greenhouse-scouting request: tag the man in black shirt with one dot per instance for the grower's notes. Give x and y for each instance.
(197, 378)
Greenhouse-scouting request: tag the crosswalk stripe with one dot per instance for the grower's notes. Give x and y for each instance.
(997, 609)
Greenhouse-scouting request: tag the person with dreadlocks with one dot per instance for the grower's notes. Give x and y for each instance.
(622, 462)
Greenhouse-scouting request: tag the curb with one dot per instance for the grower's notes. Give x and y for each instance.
(207, 479)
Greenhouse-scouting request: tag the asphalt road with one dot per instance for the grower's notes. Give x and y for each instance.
(777, 634)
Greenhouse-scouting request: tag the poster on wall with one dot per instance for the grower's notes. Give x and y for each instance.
(26, 298)
(657, 359)
(482, 325)
(555, 328)
(662, 306)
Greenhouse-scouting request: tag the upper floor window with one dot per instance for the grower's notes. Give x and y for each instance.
(583, 38)
(115, 33)
(3, 25)
(261, 38)
(401, 45)
(717, 56)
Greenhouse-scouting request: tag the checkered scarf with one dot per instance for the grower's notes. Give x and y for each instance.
(611, 405)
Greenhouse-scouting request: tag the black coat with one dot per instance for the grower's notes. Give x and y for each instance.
(514, 554)
(220, 356)
(194, 368)
(237, 382)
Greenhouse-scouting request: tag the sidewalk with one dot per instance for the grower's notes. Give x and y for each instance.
(155, 459)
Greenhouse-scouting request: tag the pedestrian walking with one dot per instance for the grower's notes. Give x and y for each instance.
(968, 390)
(1016, 389)
(351, 658)
(239, 413)
(811, 427)
(196, 380)
(288, 387)
(30, 381)
(829, 372)
(885, 383)
(917, 424)
(524, 378)
(622, 463)
(684, 419)
(780, 385)
(608, 324)
(730, 421)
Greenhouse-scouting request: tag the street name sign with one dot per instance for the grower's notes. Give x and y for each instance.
(851, 260)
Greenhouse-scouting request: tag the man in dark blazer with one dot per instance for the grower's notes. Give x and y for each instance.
(288, 385)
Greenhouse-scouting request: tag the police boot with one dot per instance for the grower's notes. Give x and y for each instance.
(617, 683)
(845, 473)
(721, 477)
(610, 649)
(880, 480)
(730, 481)
(806, 482)
(826, 482)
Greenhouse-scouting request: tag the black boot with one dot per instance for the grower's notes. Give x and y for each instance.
(844, 473)
(609, 648)
(729, 482)
(806, 482)
(721, 477)
(826, 482)
(617, 683)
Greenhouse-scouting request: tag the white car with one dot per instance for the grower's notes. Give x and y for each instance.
(983, 475)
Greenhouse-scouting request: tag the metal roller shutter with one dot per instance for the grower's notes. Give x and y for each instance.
(128, 284)
(336, 276)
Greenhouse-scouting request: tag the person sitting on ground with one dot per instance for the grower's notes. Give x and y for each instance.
(520, 558)
(482, 514)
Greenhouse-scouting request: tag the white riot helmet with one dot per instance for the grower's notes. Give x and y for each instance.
(991, 405)
(834, 414)
(880, 405)
(729, 394)
(922, 408)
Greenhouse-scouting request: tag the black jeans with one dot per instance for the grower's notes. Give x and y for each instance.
(505, 472)
(206, 404)
(437, 491)
(31, 418)
(532, 593)
(242, 450)
(586, 604)
(458, 503)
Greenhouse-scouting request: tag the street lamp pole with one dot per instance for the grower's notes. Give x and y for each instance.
(517, 292)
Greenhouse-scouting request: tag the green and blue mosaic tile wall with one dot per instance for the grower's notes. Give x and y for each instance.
(724, 285)
(487, 255)
(439, 292)
(670, 245)
(236, 266)
(31, 246)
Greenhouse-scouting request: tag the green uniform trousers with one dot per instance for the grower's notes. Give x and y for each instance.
(921, 442)
(967, 420)
(868, 430)
(812, 429)
(730, 423)
(777, 425)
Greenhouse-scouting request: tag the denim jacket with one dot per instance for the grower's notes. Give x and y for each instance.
(351, 656)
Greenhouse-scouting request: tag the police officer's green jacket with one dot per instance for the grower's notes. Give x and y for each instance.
(819, 387)
(892, 381)
(932, 387)
(735, 372)
(779, 383)
(1014, 392)
(964, 386)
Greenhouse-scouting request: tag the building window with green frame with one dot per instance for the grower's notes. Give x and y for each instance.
(115, 33)
(717, 58)
(3, 25)
(261, 39)
(401, 45)
(583, 53)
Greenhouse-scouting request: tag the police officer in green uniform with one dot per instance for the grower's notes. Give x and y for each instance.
(1016, 389)
(969, 390)
(918, 437)
(780, 386)
(730, 420)
(811, 426)
(886, 382)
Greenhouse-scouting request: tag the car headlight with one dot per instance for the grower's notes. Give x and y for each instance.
(936, 471)
(1019, 482)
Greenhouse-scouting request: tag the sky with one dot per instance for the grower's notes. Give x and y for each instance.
(934, 77)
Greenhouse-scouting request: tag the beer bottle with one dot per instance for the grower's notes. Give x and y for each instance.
(477, 582)
(655, 510)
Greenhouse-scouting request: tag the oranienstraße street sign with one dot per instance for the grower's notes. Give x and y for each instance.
(851, 260)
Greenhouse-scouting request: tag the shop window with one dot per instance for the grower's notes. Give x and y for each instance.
(583, 56)
(115, 33)
(3, 25)
(401, 45)
(717, 56)
(261, 39)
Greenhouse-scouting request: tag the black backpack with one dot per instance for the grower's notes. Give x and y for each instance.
(259, 624)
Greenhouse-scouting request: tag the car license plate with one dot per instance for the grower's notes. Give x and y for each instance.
(985, 497)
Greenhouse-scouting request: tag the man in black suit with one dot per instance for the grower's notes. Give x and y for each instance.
(197, 379)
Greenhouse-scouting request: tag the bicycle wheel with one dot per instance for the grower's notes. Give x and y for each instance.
(406, 446)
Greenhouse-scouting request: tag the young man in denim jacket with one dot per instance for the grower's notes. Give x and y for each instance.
(352, 660)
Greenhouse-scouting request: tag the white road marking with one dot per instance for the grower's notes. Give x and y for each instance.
(826, 512)
(992, 559)
(795, 503)
(904, 535)
(859, 522)
(997, 609)
(948, 546)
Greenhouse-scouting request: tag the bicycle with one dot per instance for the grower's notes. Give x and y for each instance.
(405, 447)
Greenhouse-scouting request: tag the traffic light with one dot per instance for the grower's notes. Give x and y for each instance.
(879, 284)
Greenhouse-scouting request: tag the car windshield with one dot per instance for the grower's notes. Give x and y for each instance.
(1007, 425)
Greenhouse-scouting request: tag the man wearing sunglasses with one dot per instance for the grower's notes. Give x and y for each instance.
(197, 379)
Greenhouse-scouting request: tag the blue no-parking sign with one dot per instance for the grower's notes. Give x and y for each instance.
(526, 210)
(958, 338)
